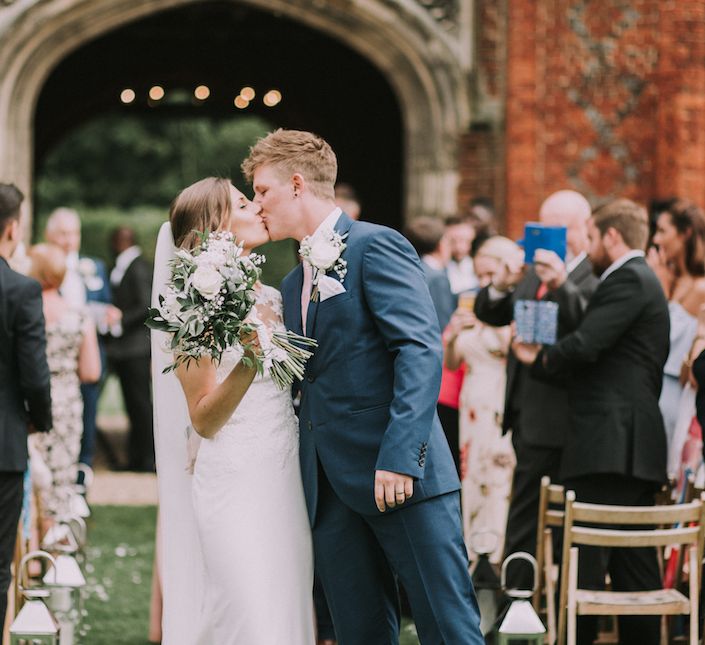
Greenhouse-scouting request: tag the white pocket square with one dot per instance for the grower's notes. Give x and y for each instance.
(328, 287)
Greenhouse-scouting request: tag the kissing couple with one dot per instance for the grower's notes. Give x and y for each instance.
(362, 483)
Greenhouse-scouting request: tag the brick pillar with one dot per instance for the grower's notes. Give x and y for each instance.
(680, 151)
(522, 197)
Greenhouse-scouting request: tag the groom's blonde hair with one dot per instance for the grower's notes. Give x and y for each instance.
(296, 151)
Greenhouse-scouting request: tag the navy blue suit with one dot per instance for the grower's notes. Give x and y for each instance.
(369, 403)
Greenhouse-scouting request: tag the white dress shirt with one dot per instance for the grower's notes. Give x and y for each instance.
(620, 262)
(461, 275)
(328, 223)
(73, 289)
(122, 264)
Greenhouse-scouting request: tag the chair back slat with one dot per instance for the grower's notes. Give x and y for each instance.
(554, 518)
(604, 514)
(615, 538)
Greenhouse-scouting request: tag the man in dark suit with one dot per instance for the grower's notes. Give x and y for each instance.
(615, 449)
(129, 351)
(25, 398)
(537, 413)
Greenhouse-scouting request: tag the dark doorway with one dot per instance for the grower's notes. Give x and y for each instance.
(325, 87)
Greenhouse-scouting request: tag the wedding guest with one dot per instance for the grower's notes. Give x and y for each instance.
(347, 199)
(537, 412)
(481, 216)
(486, 453)
(615, 449)
(25, 396)
(73, 357)
(427, 236)
(679, 262)
(129, 351)
(85, 283)
(460, 234)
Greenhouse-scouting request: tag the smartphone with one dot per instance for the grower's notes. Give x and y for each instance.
(540, 236)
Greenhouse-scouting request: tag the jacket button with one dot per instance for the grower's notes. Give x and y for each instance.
(310, 426)
(310, 378)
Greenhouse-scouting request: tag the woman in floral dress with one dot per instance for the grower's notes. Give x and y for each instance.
(486, 456)
(72, 353)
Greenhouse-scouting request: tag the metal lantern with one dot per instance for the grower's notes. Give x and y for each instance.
(520, 622)
(78, 503)
(34, 624)
(485, 579)
(65, 598)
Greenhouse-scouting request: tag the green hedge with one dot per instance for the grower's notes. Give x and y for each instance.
(97, 225)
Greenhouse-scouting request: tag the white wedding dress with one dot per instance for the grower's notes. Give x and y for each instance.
(251, 516)
(234, 544)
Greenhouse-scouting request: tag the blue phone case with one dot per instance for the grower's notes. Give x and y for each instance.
(539, 236)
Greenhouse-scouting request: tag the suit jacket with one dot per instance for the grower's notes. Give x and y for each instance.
(95, 279)
(132, 296)
(368, 400)
(25, 391)
(535, 409)
(614, 365)
(444, 300)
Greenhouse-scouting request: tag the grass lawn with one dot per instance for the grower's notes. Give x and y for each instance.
(119, 573)
(120, 553)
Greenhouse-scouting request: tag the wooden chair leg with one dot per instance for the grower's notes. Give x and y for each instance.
(572, 586)
(549, 587)
(694, 595)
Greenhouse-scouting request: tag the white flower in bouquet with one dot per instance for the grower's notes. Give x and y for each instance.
(208, 307)
(207, 281)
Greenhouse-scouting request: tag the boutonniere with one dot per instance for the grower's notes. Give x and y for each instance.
(322, 251)
(89, 274)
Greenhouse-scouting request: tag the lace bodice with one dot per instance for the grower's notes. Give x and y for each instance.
(264, 425)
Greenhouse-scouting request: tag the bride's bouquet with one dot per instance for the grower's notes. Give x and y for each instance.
(208, 307)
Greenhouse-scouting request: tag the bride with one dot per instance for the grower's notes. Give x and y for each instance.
(235, 545)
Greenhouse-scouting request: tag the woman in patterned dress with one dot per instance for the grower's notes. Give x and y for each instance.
(486, 455)
(72, 353)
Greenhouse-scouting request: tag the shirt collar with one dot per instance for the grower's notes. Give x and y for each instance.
(330, 221)
(125, 258)
(433, 262)
(620, 262)
(571, 265)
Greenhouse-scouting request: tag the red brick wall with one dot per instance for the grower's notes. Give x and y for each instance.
(604, 97)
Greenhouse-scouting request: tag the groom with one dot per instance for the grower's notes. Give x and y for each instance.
(379, 479)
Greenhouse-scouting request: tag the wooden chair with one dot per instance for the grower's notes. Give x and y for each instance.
(550, 518)
(575, 601)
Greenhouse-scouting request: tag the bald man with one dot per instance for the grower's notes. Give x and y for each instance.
(537, 413)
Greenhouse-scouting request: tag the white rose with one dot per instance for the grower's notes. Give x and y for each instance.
(171, 308)
(87, 267)
(207, 281)
(323, 253)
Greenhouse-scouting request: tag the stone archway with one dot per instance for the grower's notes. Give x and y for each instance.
(423, 53)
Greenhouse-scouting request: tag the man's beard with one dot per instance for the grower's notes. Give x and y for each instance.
(600, 263)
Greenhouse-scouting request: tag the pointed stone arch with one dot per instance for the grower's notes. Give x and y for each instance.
(422, 61)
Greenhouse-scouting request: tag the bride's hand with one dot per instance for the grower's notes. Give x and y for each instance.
(251, 344)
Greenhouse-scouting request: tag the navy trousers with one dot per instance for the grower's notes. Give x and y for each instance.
(358, 558)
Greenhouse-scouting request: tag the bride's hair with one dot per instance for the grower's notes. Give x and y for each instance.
(203, 206)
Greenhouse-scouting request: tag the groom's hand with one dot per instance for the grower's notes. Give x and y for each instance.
(392, 489)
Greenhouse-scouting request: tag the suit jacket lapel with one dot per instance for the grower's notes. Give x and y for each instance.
(342, 226)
